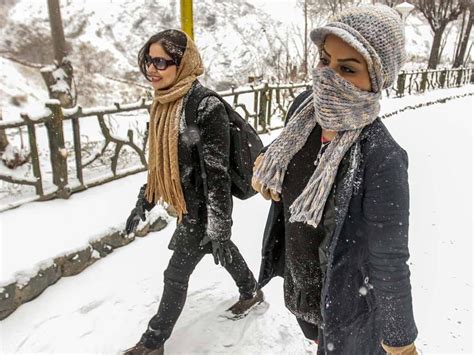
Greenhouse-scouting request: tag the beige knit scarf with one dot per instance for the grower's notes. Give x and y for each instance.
(164, 181)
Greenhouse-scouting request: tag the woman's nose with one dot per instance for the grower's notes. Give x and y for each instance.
(333, 65)
(150, 68)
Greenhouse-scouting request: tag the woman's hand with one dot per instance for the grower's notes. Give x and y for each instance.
(257, 186)
(402, 350)
(138, 212)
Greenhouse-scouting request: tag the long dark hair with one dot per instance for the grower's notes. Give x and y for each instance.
(173, 42)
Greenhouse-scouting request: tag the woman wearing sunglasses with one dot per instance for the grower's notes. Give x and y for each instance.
(338, 227)
(171, 62)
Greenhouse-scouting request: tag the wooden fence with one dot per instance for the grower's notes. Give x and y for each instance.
(68, 161)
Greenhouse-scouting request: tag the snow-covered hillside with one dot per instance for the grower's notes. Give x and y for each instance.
(238, 39)
(104, 38)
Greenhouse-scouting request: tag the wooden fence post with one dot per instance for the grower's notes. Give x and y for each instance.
(401, 83)
(262, 110)
(35, 161)
(442, 79)
(58, 152)
(459, 77)
(424, 81)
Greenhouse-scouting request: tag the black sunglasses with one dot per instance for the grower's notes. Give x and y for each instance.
(158, 62)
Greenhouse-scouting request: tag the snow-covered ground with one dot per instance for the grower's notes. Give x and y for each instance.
(105, 308)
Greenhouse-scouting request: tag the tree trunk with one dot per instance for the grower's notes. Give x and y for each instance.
(467, 58)
(3, 138)
(57, 32)
(459, 60)
(435, 48)
(457, 46)
(305, 59)
(444, 40)
(59, 77)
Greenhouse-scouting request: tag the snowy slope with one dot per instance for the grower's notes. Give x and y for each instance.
(105, 36)
(237, 39)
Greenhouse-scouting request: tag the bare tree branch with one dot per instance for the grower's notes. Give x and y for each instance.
(439, 13)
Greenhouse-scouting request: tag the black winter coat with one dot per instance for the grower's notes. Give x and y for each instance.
(366, 292)
(211, 216)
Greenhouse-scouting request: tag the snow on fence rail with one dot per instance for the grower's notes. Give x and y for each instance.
(71, 150)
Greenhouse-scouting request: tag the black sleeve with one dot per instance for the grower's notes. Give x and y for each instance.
(386, 212)
(215, 138)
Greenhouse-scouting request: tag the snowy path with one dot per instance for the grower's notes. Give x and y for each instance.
(105, 308)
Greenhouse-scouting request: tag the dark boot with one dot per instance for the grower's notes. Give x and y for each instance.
(243, 305)
(141, 349)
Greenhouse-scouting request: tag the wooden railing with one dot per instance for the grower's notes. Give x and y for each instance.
(73, 149)
(419, 81)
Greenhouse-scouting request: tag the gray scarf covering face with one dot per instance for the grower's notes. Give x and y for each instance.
(338, 106)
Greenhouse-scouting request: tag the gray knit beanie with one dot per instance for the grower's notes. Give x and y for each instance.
(377, 33)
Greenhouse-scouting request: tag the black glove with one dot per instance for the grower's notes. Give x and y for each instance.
(138, 212)
(221, 250)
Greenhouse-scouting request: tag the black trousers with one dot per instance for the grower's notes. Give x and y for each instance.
(176, 278)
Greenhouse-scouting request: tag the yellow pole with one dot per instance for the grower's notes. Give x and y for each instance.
(187, 24)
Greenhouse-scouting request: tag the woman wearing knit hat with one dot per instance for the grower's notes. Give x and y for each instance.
(170, 60)
(337, 231)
